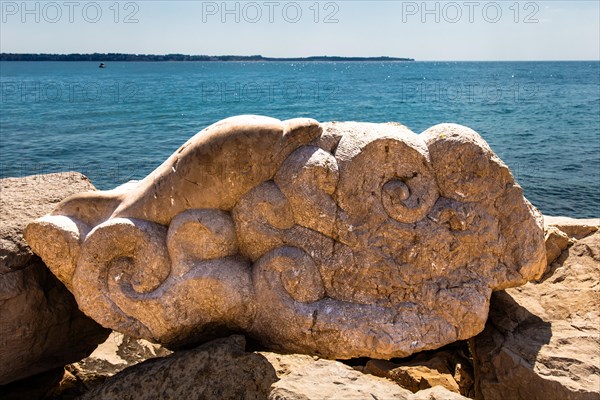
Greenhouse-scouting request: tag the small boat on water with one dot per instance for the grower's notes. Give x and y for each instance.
(101, 65)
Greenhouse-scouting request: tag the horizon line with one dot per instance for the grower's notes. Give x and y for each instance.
(275, 58)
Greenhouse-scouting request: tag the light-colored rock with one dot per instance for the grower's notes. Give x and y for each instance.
(449, 367)
(339, 239)
(24, 199)
(41, 328)
(303, 377)
(120, 351)
(416, 375)
(556, 242)
(573, 227)
(542, 340)
(437, 393)
(217, 370)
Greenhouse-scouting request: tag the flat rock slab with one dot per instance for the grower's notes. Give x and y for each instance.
(41, 327)
(338, 239)
(573, 227)
(303, 377)
(542, 340)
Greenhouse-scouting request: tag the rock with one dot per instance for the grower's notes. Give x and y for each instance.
(573, 227)
(67, 388)
(216, 370)
(464, 376)
(449, 367)
(556, 242)
(42, 329)
(541, 340)
(36, 387)
(111, 357)
(24, 199)
(437, 393)
(221, 369)
(119, 352)
(416, 376)
(339, 240)
(303, 377)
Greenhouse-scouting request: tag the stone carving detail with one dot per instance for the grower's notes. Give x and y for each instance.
(337, 239)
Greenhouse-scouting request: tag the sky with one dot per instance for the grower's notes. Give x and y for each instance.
(432, 30)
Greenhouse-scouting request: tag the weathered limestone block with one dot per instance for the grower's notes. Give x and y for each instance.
(41, 328)
(337, 239)
(542, 340)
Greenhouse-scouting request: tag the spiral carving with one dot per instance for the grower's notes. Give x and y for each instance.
(342, 239)
(121, 260)
(384, 171)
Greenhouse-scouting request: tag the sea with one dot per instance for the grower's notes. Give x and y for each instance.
(118, 123)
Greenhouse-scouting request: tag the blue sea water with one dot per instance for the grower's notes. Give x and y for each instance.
(119, 123)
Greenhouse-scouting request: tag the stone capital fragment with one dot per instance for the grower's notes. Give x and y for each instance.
(337, 239)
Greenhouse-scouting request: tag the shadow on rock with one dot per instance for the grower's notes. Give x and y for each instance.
(541, 339)
(220, 369)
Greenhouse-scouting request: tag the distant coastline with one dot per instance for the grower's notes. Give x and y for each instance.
(104, 57)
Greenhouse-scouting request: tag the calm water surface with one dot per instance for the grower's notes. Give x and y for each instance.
(121, 122)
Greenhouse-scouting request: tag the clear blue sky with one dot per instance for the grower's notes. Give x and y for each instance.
(442, 30)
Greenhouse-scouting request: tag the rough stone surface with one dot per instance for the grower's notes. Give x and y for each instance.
(303, 377)
(41, 328)
(119, 352)
(111, 357)
(416, 375)
(542, 340)
(224, 363)
(450, 367)
(437, 393)
(217, 370)
(556, 242)
(338, 239)
(573, 227)
(24, 199)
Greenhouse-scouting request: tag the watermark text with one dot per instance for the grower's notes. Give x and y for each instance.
(270, 11)
(53, 12)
